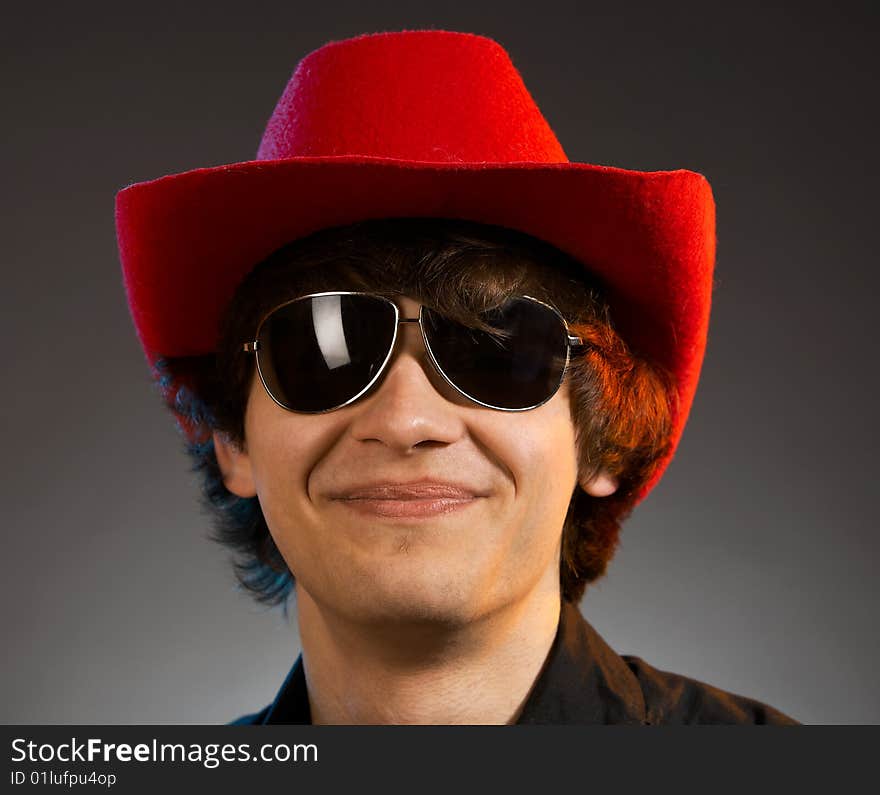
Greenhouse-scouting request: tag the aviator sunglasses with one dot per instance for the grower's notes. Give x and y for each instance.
(323, 351)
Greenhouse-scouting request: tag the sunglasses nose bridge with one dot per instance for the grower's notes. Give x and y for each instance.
(400, 339)
(423, 354)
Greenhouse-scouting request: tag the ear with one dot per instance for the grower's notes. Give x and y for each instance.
(600, 485)
(235, 465)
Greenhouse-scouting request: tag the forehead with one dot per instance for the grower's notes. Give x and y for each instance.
(408, 307)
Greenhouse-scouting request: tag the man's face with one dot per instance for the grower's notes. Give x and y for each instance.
(448, 567)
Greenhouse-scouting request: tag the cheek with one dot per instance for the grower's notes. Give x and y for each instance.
(284, 453)
(539, 452)
(283, 448)
(552, 472)
(538, 449)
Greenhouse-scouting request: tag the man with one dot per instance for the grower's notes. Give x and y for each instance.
(427, 367)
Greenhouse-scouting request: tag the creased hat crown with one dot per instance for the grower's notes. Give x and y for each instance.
(428, 95)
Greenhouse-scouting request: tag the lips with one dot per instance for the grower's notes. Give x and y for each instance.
(414, 490)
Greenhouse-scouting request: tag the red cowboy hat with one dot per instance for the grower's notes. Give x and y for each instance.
(420, 123)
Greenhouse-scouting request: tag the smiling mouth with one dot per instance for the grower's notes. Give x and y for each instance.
(408, 508)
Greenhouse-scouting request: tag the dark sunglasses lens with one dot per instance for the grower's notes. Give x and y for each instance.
(320, 352)
(519, 367)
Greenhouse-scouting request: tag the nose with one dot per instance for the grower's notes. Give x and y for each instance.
(411, 404)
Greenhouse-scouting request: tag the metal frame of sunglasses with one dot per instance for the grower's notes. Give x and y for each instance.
(572, 342)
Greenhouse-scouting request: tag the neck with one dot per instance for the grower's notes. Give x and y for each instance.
(475, 672)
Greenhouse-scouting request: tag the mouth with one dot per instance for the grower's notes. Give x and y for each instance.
(408, 508)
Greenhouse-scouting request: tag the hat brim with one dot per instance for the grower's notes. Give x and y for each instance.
(187, 240)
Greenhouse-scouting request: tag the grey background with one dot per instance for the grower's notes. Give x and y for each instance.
(752, 565)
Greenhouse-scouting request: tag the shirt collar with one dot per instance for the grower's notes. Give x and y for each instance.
(583, 681)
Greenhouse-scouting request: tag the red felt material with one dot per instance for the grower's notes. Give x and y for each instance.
(420, 123)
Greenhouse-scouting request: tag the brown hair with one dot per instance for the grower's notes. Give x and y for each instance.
(620, 404)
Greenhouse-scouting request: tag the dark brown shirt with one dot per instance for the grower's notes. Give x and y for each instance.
(583, 681)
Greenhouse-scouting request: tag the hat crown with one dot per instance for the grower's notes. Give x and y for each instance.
(433, 96)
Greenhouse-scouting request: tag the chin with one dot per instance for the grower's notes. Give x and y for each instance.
(414, 601)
